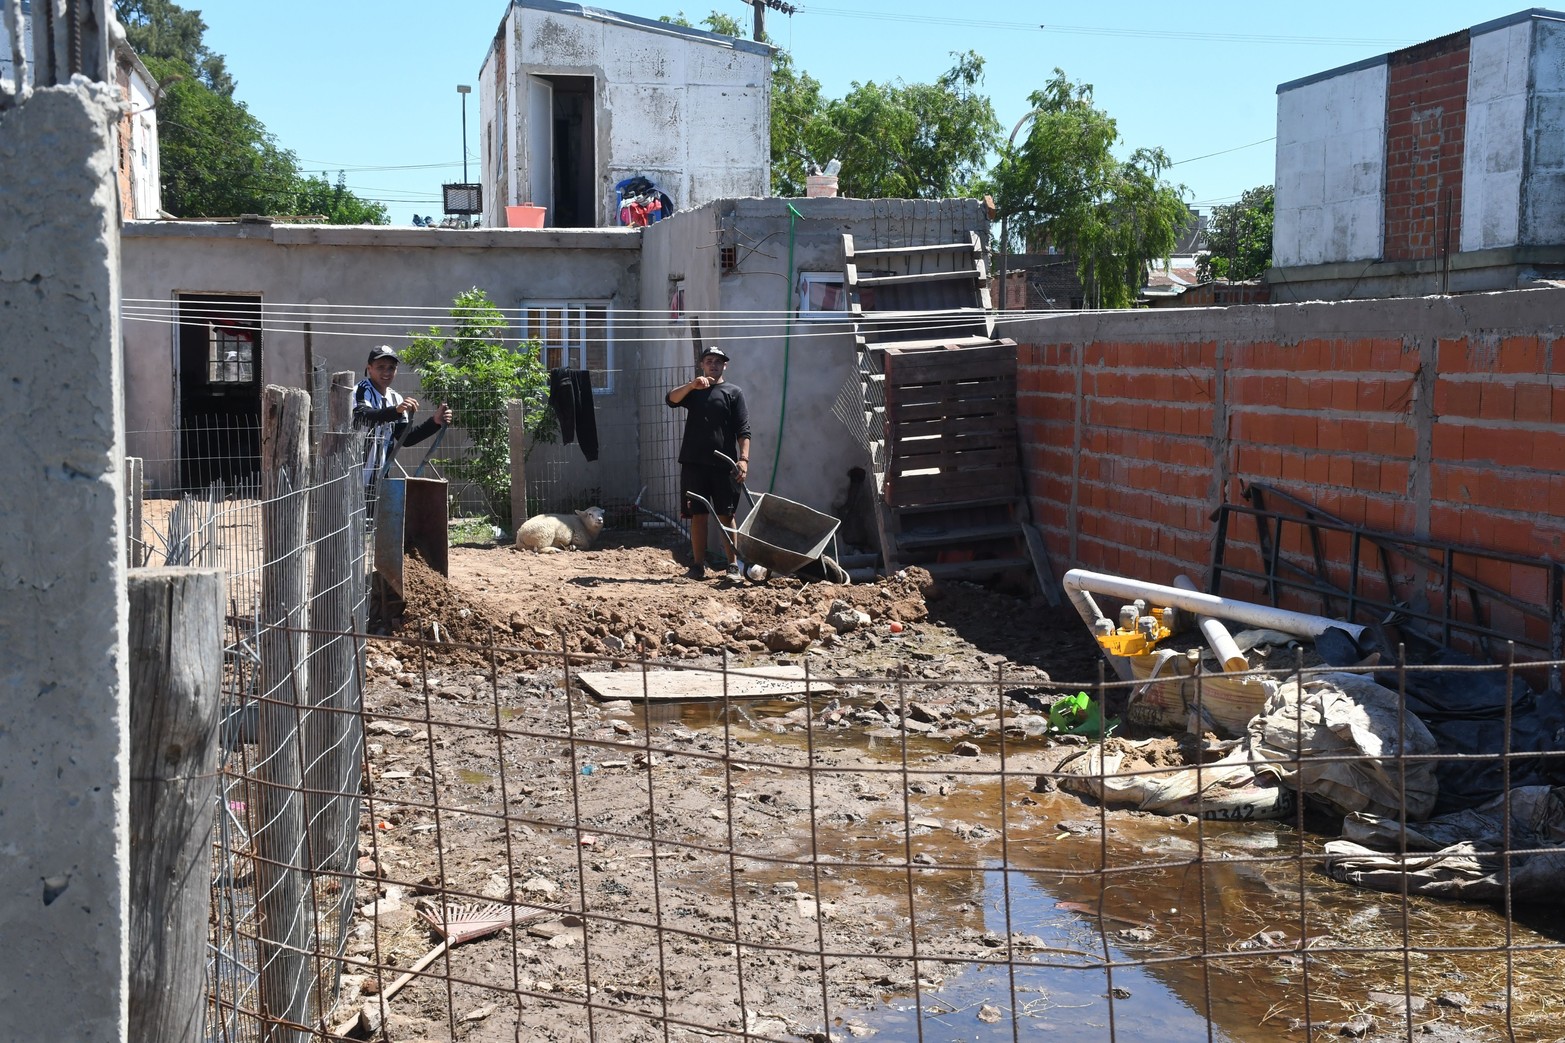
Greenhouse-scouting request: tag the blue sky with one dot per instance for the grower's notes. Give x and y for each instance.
(370, 88)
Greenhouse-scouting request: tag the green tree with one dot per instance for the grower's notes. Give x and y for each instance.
(909, 141)
(215, 158)
(162, 29)
(797, 105)
(1062, 187)
(1238, 241)
(472, 368)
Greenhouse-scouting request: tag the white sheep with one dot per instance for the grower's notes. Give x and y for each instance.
(547, 533)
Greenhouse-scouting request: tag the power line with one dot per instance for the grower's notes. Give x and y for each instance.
(901, 16)
(1224, 152)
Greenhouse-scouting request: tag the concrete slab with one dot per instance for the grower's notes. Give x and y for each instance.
(665, 686)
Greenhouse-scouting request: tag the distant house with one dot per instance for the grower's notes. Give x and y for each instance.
(578, 103)
(1433, 169)
(140, 191)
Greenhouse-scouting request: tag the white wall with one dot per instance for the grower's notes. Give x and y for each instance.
(145, 185)
(1331, 143)
(1543, 192)
(688, 109)
(1496, 128)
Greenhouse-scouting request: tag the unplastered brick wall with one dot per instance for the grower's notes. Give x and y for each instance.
(1435, 418)
(1426, 120)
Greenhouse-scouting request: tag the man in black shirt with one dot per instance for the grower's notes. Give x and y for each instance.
(717, 420)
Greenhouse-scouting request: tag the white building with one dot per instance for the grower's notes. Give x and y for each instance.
(1436, 168)
(576, 100)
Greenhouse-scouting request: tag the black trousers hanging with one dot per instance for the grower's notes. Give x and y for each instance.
(570, 396)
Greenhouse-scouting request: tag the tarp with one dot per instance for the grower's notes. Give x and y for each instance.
(1336, 738)
(1465, 712)
(1460, 855)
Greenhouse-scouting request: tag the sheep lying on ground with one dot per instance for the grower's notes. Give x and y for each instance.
(547, 533)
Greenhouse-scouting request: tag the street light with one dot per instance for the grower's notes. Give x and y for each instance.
(464, 90)
(1005, 242)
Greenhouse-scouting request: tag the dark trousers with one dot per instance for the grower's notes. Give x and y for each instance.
(570, 396)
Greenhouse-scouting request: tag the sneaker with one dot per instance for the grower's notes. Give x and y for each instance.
(696, 572)
(735, 572)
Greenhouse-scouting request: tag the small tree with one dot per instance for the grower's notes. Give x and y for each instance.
(477, 373)
(1239, 238)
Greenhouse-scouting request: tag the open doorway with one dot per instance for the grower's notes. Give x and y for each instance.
(575, 169)
(219, 388)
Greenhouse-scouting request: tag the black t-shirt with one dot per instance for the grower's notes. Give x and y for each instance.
(717, 419)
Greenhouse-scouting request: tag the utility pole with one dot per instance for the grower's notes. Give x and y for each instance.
(760, 6)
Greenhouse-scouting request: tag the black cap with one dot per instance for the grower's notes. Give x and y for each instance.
(382, 352)
(714, 350)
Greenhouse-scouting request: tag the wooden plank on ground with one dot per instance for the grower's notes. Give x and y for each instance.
(664, 686)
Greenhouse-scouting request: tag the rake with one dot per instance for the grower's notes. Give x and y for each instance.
(462, 922)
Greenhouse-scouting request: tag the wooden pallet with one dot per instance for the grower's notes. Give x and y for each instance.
(939, 409)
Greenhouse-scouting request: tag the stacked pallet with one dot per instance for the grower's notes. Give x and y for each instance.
(939, 399)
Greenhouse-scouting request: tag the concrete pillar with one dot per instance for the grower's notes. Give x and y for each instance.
(64, 681)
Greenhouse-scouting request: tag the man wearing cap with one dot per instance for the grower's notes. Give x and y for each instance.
(716, 421)
(386, 415)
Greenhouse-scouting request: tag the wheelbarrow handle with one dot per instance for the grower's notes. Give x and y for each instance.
(734, 467)
(431, 450)
(712, 513)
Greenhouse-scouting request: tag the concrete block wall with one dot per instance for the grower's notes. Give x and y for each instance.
(1426, 119)
(1439, 418)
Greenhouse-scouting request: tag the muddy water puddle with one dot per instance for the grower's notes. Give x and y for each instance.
(1141, 927)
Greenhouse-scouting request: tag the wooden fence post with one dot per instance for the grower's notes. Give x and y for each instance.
(287, 922)
(135, 546)
(176, 671)
(516, 413)
(333, 752)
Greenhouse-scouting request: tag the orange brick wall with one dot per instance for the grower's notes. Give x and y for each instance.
(1436, 418)
(1426, 120)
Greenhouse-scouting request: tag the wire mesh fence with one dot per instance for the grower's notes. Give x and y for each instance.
(548, 851)
(520, 840)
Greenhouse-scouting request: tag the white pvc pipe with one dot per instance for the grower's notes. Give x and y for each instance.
(1217, 636)
(1079, 582)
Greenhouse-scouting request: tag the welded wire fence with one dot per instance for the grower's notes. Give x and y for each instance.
(558, 846)
(474, 456)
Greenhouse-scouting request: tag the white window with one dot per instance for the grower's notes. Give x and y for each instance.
(575, 335)
(825, 292)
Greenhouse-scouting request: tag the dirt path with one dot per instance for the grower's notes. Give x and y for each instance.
(675, 824)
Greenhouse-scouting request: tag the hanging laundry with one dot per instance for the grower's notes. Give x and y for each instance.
(570, 396)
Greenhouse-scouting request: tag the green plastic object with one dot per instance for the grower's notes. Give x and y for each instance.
(1078, 715)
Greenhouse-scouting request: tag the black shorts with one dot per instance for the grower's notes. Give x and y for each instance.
(716, 484)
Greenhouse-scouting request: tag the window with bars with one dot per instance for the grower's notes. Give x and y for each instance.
(230, 355)
(575, 335)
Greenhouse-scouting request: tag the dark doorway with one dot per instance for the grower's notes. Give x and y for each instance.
(575, 161)
(219, 389)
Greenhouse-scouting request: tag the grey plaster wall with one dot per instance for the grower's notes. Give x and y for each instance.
(792, 369)
(63, 713)
(355, 286)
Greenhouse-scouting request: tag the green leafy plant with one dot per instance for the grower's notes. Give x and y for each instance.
(471, 367)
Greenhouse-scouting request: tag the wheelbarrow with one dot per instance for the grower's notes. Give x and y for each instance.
(780, 535)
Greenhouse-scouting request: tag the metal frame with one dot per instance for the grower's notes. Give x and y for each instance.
(1273, 511)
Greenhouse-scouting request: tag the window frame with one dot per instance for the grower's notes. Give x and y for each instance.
(574, 348)
(807, 281)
